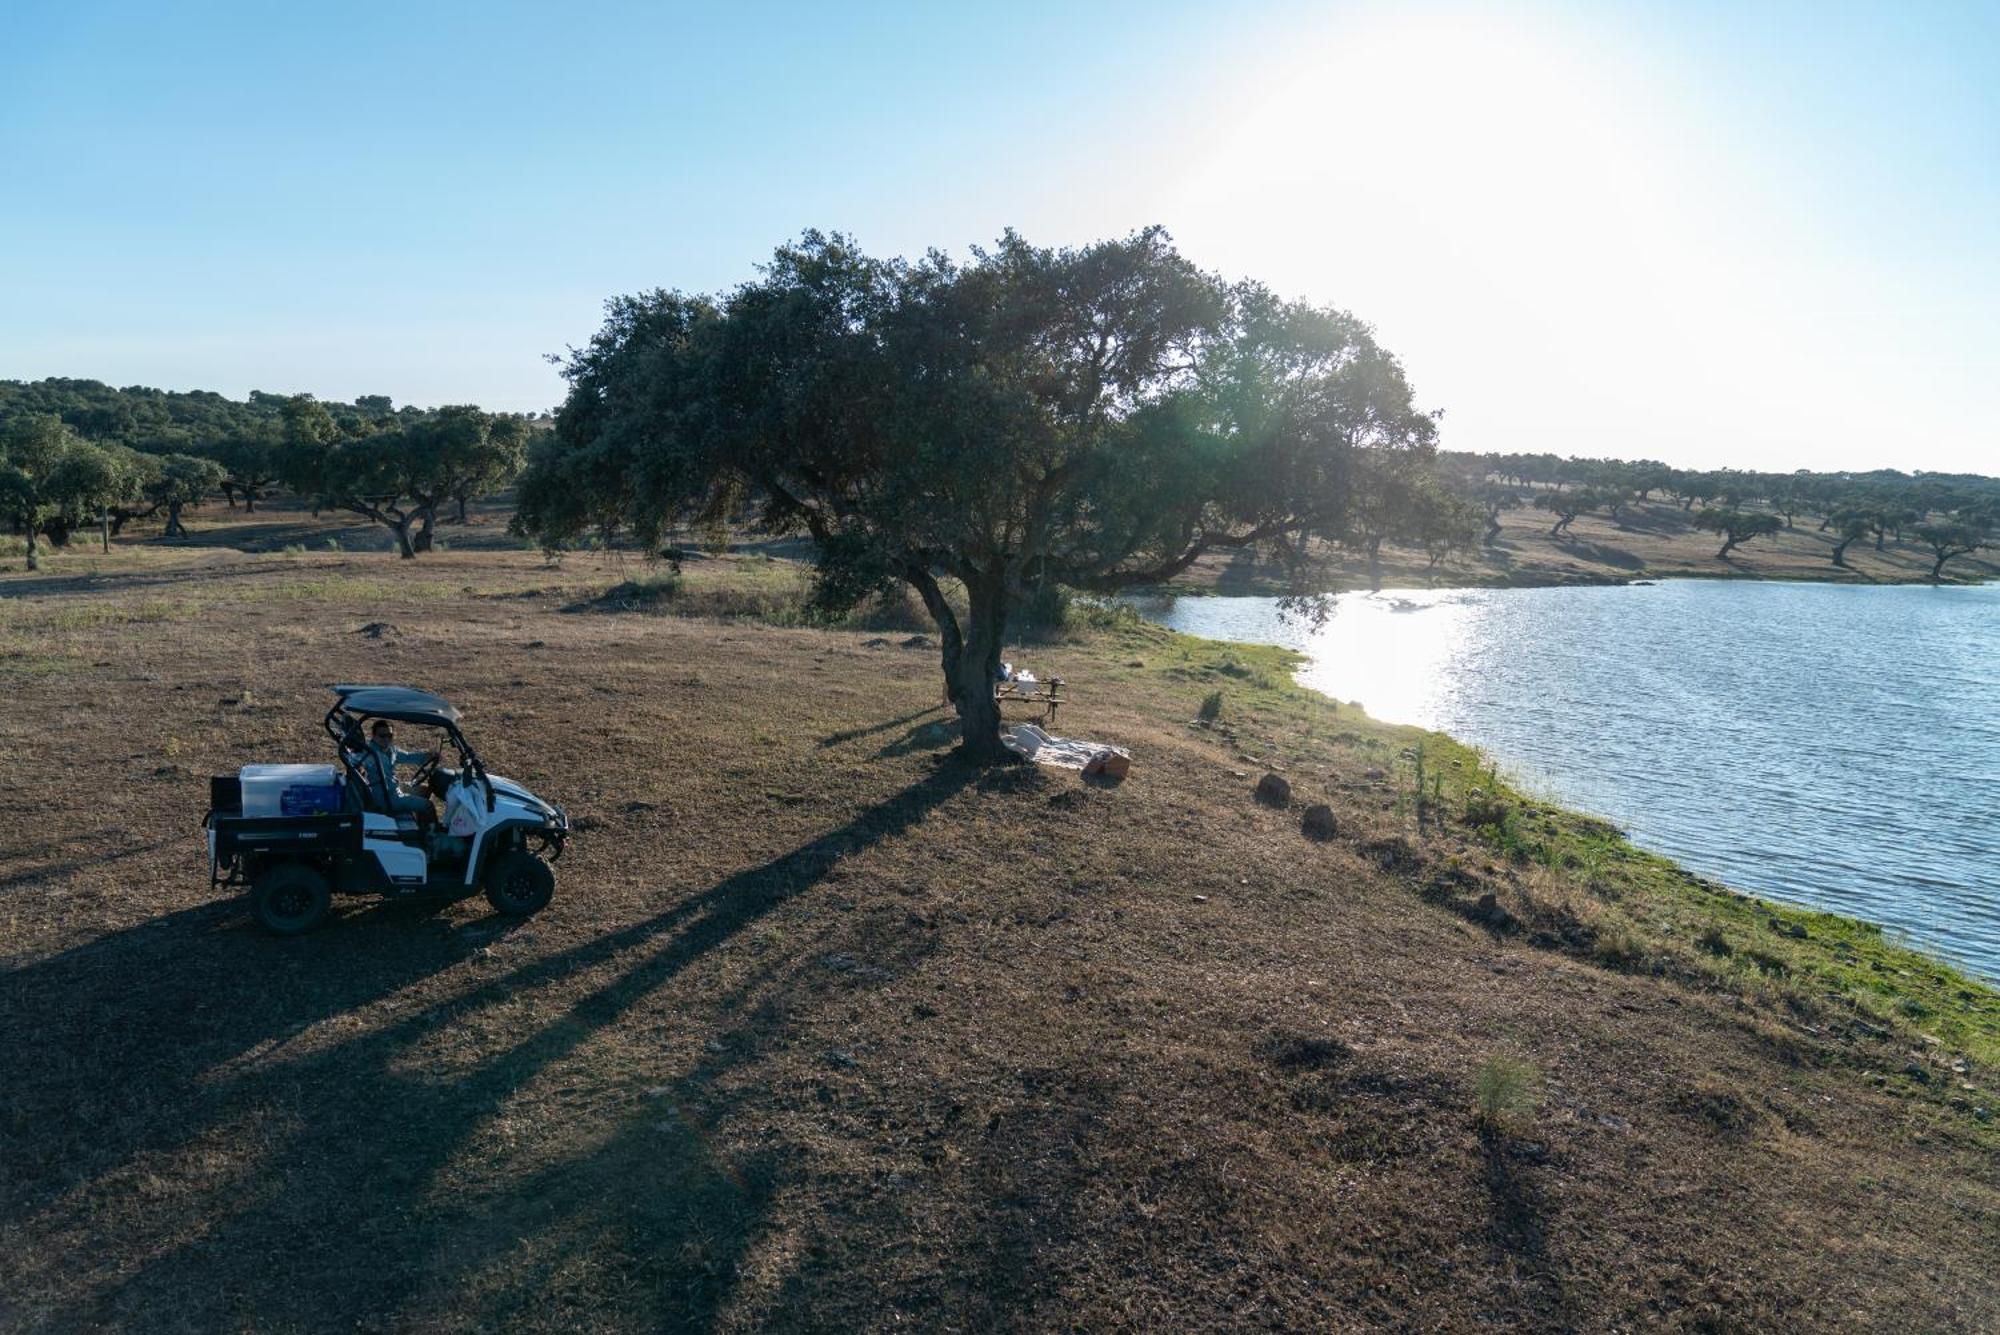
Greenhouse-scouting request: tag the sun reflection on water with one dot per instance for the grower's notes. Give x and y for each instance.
(1397, 654)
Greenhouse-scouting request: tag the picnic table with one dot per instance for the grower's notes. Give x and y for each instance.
(1043, 698)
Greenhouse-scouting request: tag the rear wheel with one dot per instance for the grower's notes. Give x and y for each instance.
(290, 898)
(519, 883)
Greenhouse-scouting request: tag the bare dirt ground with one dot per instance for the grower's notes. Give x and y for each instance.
(825, 1031)
(1651, 541)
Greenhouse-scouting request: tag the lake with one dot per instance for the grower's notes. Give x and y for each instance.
(1832, 745)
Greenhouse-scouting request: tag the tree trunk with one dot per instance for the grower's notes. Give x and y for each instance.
(1878, 539)
(1723, 555)
(34, 555)
(951, 645)
(174, 529)
(229, 494)
(422, 542)
(401, 528)
(249, 500)
(1492, 530)
(979, 669)
(461, 519)
(1840, 553)
(1938, 569)
(1375, 562)
(104, 530)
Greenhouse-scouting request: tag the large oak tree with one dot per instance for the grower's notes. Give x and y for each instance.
(1096, 418)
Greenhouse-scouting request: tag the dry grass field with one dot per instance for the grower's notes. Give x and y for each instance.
(826, 1031)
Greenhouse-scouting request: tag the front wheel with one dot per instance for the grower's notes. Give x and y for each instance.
(519, 883)
(290, 898)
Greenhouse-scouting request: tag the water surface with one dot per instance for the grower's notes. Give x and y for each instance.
(1832, 745)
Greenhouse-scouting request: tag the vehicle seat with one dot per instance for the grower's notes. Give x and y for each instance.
(356, 796)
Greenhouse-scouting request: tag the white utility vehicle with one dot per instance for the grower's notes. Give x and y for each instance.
(296, 835)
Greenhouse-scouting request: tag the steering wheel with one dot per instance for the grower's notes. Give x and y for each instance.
(421, 777)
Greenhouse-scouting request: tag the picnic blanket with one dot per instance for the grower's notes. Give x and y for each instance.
(1031, 743)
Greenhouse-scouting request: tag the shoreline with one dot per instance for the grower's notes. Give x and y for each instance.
(1613, 838)
(1260, 587)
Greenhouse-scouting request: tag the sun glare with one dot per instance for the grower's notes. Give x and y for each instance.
(1469, 186)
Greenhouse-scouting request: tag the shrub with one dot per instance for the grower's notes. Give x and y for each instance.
(1619, 950)
(1486, 806)
(1089, 614)
(892, 609)
(1505, 1090)
(295, 549)
(1211, 707)
(645, 591)
(1046, 613)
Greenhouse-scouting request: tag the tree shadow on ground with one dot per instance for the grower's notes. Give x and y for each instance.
(391, 1175)
(856, 734)
(225, 564)
(49, 871)
(1600, 552)
(932, 736)
(1655, 522)
(1517, 1223)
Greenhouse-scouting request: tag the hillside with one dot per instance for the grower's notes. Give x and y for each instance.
(825, 1031)
(1652, 541)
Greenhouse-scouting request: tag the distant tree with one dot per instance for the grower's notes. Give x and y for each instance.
(1736, 526)
(1787, 499)
(1893, 519)
(1613, 500)
(51, 479)
(368, 475)
(1096, 418)
(1955, 538)
(397, 472)
(1441, 524)
(1389, 501)
(1849, 526)
(183, 481)
(1646, 477)
(135, 500)
(1493, 498)
(1565, 506)
(252, 462)
(480, 452)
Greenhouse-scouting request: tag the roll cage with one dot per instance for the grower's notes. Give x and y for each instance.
(355, 706)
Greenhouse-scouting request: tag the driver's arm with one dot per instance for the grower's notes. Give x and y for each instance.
(413, 757)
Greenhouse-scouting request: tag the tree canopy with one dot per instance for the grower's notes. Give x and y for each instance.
(51, 476)
(1096, 418)
(1737, 526)
(172, 449)
(398, 472)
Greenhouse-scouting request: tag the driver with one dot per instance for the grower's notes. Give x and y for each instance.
(378, 770)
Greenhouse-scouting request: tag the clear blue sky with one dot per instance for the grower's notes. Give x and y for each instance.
(1765, 235)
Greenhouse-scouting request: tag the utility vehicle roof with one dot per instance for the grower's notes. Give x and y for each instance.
(406, 704)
